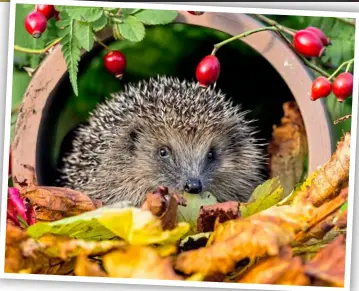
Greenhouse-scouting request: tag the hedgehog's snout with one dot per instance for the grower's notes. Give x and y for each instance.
(193, 186)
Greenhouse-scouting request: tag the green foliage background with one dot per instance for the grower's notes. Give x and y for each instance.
(175, 50)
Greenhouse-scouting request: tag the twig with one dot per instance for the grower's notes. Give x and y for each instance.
(217, 46)
(37, 51)
(348, 63)
(276, 24)
(346, 21)
(346, 117)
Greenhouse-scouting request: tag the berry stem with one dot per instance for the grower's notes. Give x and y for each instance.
(37, 51)
(102, 44)
(348, 63)
(269, 21)
(217, 46)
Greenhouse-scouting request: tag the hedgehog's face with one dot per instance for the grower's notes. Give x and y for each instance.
(209, 160)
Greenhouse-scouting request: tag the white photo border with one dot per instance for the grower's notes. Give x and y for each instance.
(183, 7)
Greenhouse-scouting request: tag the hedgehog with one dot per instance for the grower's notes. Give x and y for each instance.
(164, 132)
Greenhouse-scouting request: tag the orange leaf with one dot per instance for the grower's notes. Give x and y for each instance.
(54, 203)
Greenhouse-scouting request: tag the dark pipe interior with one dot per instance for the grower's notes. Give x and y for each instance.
(246, 77)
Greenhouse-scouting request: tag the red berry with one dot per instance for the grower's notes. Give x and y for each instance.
(321, 88)
(308, 43)
(325, 40)
(343, 86)
(35, 23)
(115, 62)
(196, 12)
(208, 70)
(47, 10)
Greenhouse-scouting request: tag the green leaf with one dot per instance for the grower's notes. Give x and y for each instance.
(135, 225)
(129, 11)
(85, 14)
(263, 197)
(100, 23)
(343, 207)
(71, 51)
(154, 17)
(131, 29)
(84, 35)
(190, 212)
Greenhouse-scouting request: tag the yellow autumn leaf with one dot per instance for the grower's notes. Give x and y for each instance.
(140, 227)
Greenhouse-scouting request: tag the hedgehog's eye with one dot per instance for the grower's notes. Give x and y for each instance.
(211, 155)
(164, 152)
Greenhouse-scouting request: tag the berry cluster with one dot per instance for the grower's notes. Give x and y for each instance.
(36, 21)
(342, 87)
(310, 42)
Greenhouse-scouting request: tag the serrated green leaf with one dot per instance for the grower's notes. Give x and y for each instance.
(100, 23)
(129, 11)
(263, 197)
(135, 225)
(84, 35)
(190, 212)
(85, 14)
(155, 17)
(131, 29)
(71, 51)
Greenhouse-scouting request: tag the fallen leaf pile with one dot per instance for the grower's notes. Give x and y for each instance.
(274, 238)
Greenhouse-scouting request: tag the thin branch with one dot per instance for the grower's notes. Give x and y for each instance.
(269, 21)
(346, 21)
(37, 51)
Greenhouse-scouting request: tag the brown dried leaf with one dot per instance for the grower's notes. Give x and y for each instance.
(288, 148)
(321, 221)
(341, 220)
(217, 213)
(86, 267)
(54, 203)
(331, 177)
(139, 262)
(256, 236)
(329, 264)
(163, 205)
(281, 270)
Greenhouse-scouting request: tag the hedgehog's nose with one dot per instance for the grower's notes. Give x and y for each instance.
(193, 186)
